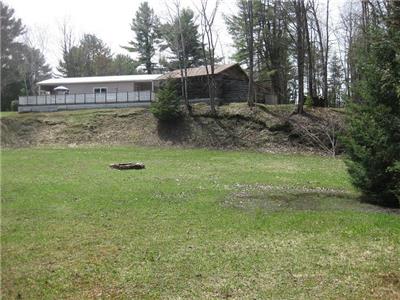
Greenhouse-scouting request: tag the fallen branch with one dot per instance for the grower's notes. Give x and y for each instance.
(127, 166)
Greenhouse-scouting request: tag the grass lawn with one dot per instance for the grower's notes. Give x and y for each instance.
(193, 224)
(8, 114)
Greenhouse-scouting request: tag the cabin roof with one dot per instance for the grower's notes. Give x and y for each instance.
(199, 71)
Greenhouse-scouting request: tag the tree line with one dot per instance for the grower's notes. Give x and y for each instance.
(287, 46)
(22, 64)
(293, 45)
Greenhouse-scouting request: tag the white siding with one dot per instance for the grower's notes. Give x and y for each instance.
(112, 87)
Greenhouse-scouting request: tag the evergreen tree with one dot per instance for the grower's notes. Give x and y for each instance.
(97, 56)
(91, 57)
(11, 55)
(191, 38)
(124, 65)
(166, 107)
(373, 141)
(272, 44)
(335, 82)
(72, 63)
(33, 69)
(21, 65)
(146, 28)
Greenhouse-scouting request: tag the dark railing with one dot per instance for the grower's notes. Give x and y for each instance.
(98, 98)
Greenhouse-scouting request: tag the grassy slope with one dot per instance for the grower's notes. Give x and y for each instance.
(236, 126)
(73, 228)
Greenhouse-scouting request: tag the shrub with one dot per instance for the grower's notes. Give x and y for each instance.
(14, 105)
(166, 106)
(308, 102)
(373, 137)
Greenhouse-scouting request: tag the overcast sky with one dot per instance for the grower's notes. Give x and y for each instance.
(109, 20)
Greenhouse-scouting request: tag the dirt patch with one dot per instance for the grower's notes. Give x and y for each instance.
(266, 128)
(388, 286)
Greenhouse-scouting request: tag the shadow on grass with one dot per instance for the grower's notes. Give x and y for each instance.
(254, 198)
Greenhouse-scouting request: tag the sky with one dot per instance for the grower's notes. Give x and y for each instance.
(108, 20)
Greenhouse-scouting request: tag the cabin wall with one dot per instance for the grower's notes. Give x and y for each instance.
(234, 90)
(230, 87)
(198, 87)
(234, 85)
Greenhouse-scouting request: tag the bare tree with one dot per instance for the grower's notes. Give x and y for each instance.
(249, 20)
(34, 66)
(310, 57)
(67, 36)
(350, 22)
(175, 14)
(67, 42)
(209, 44)
(323, 134)
(326, 54)
(300, 25)
(323, 43)
(37, 37)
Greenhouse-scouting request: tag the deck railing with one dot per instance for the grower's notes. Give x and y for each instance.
(99, 98)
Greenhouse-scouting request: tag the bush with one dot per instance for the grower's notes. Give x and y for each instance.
(373, 137)
(166, 106)
(14, 105)
(308, 102)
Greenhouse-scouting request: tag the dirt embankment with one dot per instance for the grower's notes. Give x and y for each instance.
(267, 128)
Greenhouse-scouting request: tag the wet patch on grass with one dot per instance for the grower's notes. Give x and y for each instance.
(268, 198)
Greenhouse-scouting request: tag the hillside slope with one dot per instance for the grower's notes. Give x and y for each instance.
(267, 128)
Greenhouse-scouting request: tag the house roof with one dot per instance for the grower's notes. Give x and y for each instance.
(98, 79)
(193, 72)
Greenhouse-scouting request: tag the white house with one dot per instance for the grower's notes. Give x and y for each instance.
(86, 92)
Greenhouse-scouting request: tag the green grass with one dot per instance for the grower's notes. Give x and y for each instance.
(8, 114)
(193, 224)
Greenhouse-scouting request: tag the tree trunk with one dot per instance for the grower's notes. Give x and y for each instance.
(310, 81)
(325, 94)
(148, 67)
(299, 7)
(324, 60)
(184, 65)
(250, 100)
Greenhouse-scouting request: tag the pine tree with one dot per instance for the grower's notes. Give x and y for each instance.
(21, 65)
(335, 82)
(91, 57)
(271, 42)
(146, 26)
(191, 39)
(166, 107)
(124, 65)
(97, 56)
(373, 141)
(72, 63)
(11, 55)
(33, 69)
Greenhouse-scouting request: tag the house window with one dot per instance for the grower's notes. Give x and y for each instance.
(102, 90)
